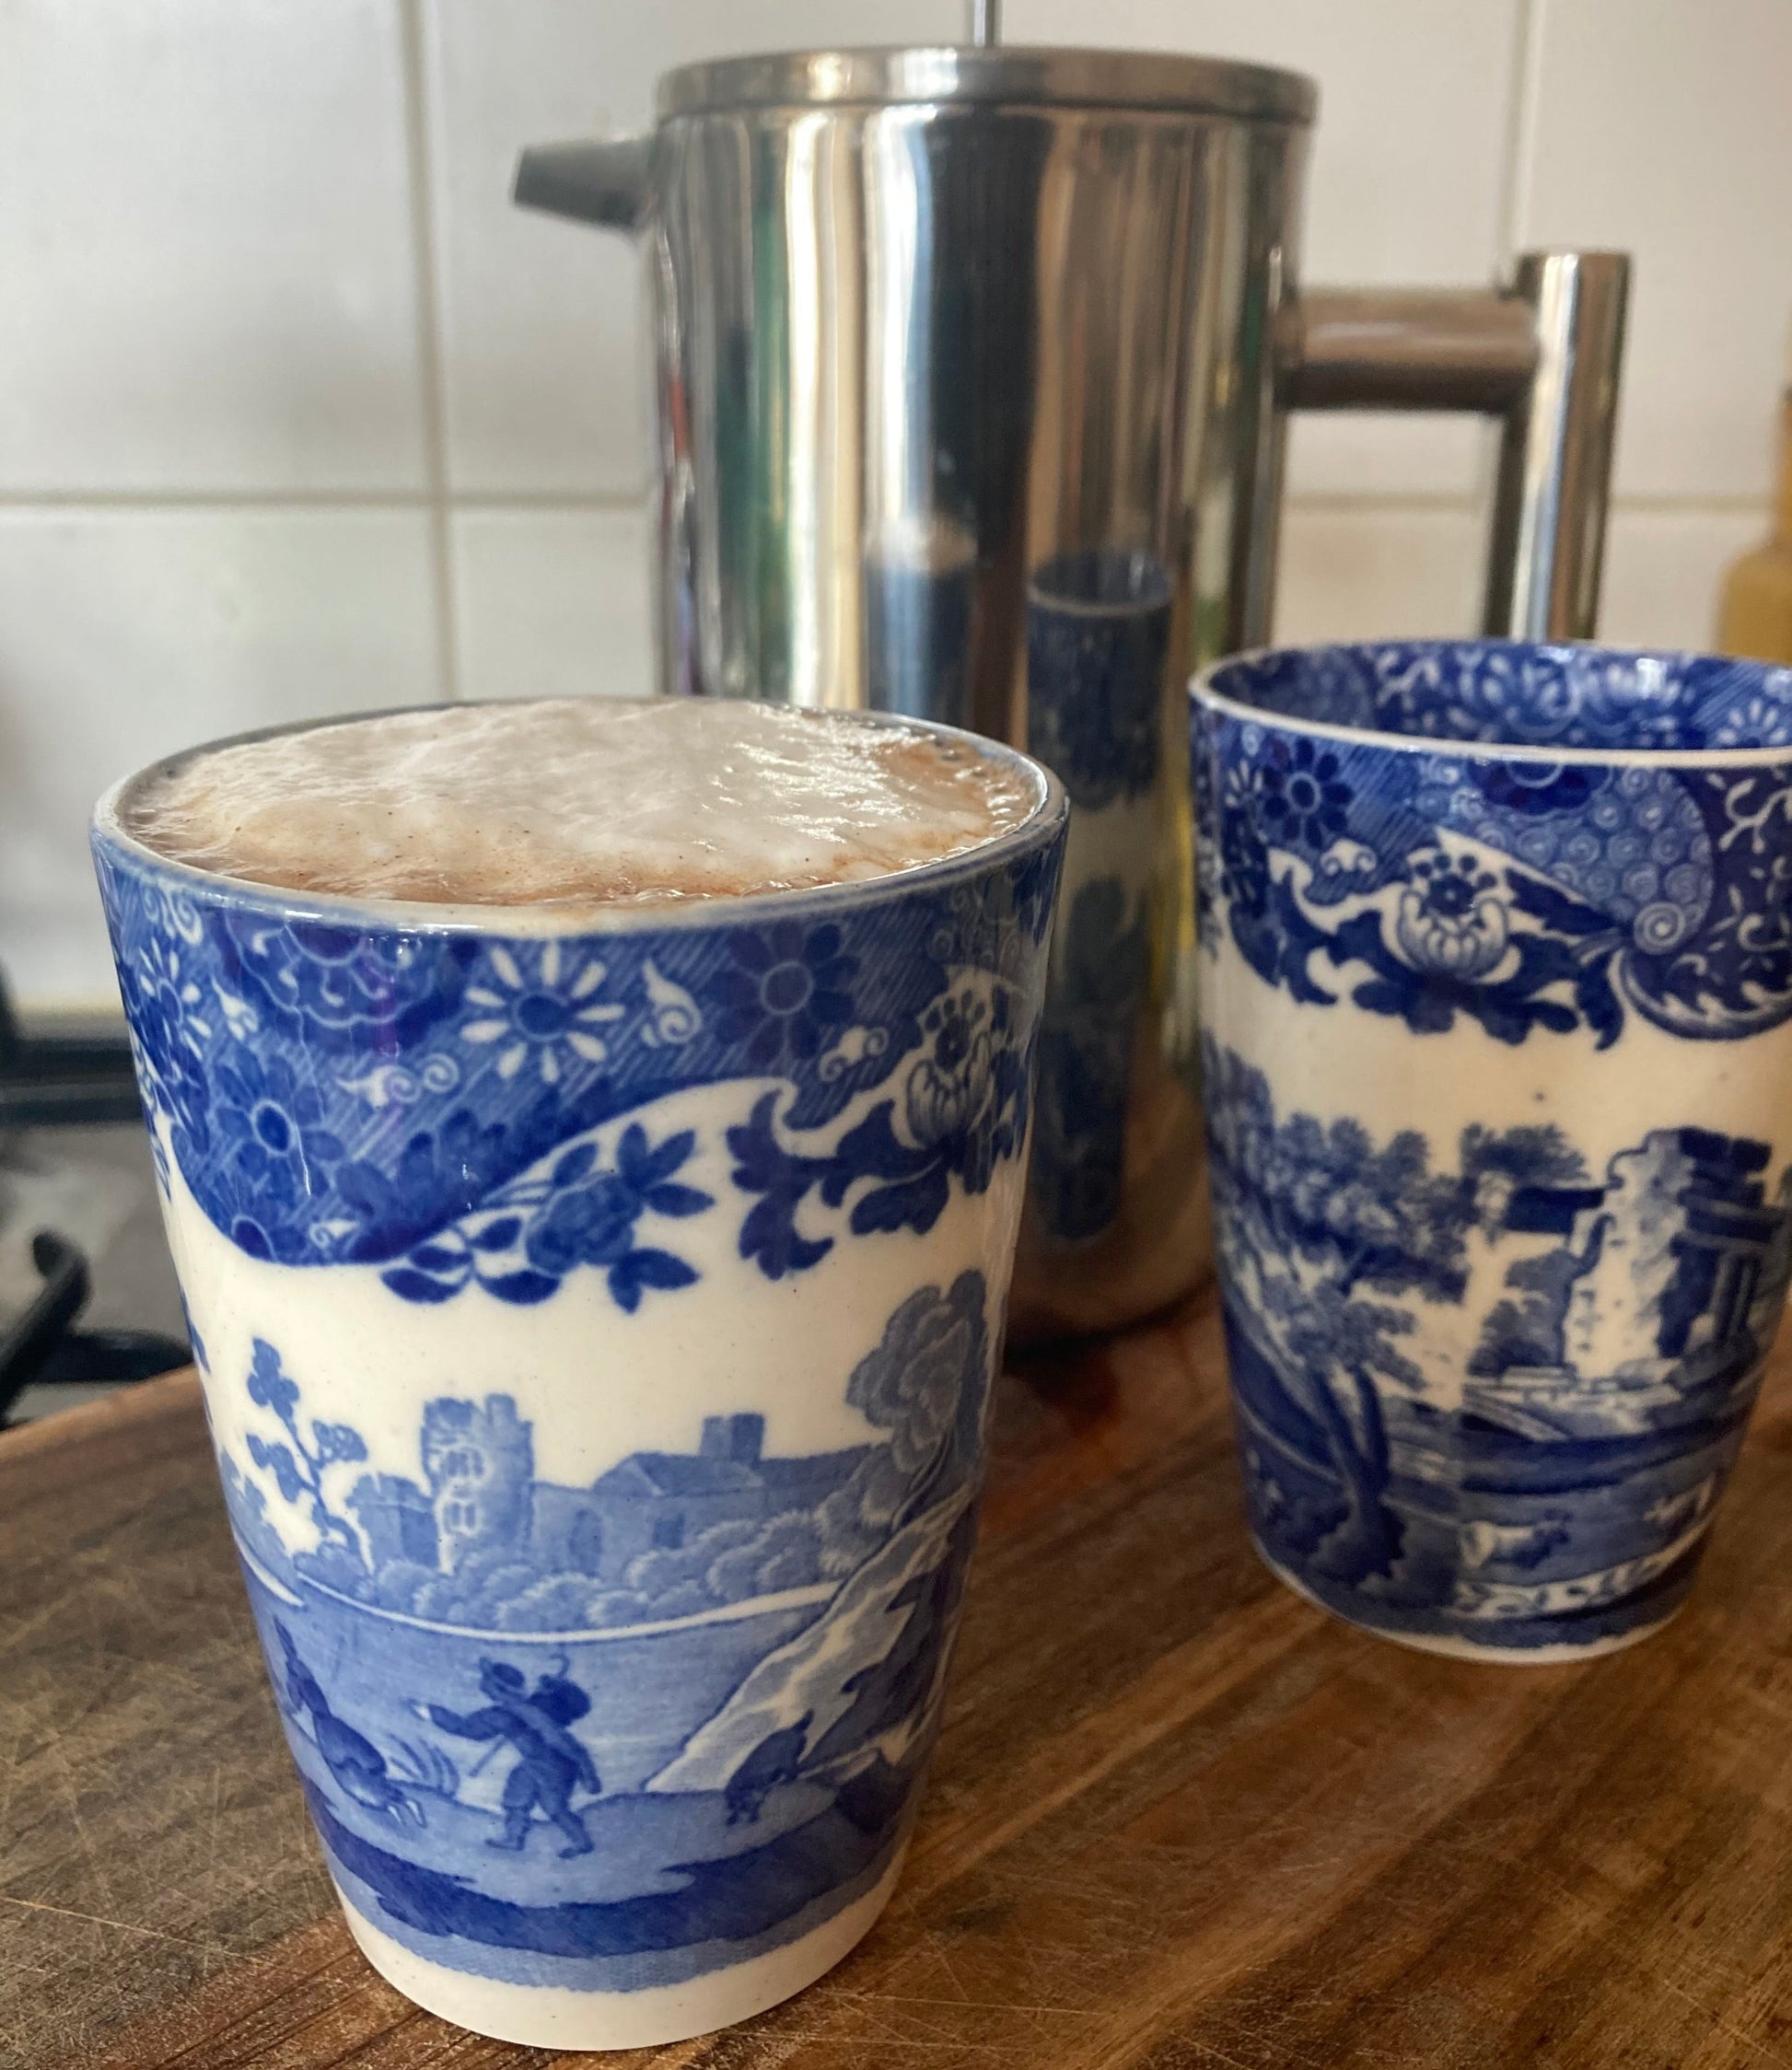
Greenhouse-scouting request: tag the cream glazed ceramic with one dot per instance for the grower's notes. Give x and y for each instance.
(1498, 1002)
(597, 1313)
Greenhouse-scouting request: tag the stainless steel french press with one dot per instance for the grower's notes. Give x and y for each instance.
(973, 373)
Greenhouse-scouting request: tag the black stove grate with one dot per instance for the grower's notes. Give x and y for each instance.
(42, 1347)
(55, 1076)
(68, 1071)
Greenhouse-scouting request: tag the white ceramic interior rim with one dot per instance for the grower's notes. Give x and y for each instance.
(576, 917)
(1202, 692)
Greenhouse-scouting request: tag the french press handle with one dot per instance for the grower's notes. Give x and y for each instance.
(1542, 354)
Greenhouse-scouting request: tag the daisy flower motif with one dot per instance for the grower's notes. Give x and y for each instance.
(787, 992)
(550, 1018)
(1302, 799)
(1763, 719)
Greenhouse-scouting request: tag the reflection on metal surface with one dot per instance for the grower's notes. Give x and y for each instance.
(1389, 349)
(928, 321)
(1548, 542)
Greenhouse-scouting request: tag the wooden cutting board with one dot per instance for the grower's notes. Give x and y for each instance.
(1178, 1819)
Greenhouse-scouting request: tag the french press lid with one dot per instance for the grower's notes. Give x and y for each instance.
(1056, 78)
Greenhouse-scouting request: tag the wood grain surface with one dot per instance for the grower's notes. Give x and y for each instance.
(1178, 1819)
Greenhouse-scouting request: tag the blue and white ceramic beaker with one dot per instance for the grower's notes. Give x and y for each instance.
(1497, 1014)
(597, 1310)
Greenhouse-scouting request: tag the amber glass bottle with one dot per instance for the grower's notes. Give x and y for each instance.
(1754, 616)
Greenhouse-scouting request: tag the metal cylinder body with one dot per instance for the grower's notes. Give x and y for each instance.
(914, 355)
(972, 374)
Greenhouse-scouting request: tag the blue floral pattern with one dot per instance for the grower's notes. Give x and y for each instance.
(552, 1020)
(1522, 892)
(1300, 797)
(522, 1239)
(1512, 692)
(963, 1111)
(785, 992)
(273, 1148)
(454, 1107)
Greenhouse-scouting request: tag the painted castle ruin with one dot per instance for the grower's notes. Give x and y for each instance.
(481, 1496)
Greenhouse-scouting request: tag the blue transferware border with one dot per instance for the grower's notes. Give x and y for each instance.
(438, 1101)
(1521, 891)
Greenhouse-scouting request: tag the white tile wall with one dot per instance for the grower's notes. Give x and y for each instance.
(1356, 571)
(1663, 566)
(125, 633)
(205, 238)
(1667, 130)
(553, 603)
(296, 413)
(541, 319)
(1407, 88)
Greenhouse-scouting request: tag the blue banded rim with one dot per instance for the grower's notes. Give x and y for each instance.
(1241, 687)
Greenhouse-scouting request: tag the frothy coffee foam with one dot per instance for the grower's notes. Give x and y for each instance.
(577, 800)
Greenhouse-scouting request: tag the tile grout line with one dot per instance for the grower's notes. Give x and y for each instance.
(1521, 127)
(426, 275)
(551, 503)
(151, 500)
(1508, 210)
(1523, 84)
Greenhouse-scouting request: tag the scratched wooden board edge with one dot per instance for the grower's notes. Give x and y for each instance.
(187, 2030)
(209, 2025)
(316, 2004)
(377, 2038)
(149, 1402)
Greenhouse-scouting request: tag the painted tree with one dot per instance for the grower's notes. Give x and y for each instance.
(302, 1469)
(1329, 1237)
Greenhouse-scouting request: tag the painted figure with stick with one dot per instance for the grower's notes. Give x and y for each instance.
(551, 1764)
